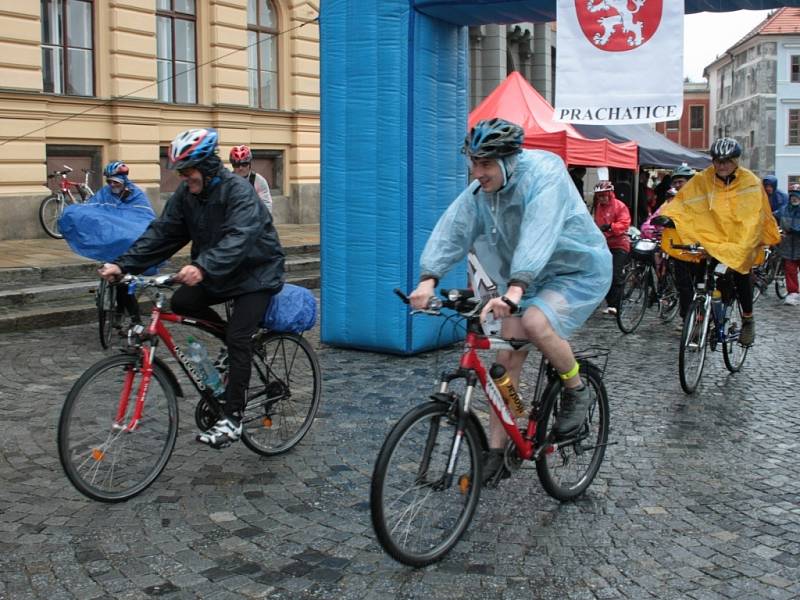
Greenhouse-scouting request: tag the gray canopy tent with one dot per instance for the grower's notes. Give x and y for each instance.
(655, 150)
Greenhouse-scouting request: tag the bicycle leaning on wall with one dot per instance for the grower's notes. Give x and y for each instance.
(68, 192)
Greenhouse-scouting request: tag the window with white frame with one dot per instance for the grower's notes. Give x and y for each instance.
(67, 47)
(262, 56)
(176, 51)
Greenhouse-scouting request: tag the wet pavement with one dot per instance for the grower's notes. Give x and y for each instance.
(699, 498)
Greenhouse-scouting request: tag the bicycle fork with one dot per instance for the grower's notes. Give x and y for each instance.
(124, 398)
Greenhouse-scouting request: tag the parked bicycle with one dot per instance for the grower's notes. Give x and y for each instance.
(69, 192)
(428, 475)
(770, 272)
(119, 421)
(714, 318)
(647, 282)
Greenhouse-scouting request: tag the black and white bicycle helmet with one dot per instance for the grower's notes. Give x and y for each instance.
(493, 138)
(725, 148)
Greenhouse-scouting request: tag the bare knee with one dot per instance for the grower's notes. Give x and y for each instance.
(537, 326)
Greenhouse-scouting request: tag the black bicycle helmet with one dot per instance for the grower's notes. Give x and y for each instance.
(493, 138)
(725, 148)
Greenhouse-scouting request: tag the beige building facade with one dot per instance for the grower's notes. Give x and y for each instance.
(83, 82)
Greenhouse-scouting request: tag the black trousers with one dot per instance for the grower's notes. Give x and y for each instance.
(687, 273)
(620, 259)
(248, 310)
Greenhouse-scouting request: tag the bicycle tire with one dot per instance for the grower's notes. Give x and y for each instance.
(670, 297)
(284, 394)
(50, 211)
(402, 487)
(635, 298)
(693, 349)
(733, 353)
(101, 461)
(108, 316)
(555, 469)
(780, 282)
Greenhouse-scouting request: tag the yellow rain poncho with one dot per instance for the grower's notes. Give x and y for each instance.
(733, 221)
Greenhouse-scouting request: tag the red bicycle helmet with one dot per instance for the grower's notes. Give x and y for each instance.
(241, 154)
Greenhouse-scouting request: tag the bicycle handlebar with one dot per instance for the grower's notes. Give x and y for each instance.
(695, 248)
(162, 281)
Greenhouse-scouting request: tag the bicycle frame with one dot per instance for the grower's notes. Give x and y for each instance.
(156, 330)
(473, 371)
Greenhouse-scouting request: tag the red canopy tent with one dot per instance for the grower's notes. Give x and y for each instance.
(515, 100)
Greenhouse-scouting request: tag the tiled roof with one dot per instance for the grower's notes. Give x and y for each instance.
(781, 22)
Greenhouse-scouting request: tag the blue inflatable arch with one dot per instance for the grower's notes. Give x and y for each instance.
(394, 111)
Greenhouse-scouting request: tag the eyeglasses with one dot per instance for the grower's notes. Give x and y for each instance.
(724, 161)
(240, 164)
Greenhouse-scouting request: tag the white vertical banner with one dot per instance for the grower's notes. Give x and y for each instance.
(619, 61)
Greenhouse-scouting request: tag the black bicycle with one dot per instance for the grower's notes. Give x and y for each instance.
(649, 281)
(770, 272)
(714, 319)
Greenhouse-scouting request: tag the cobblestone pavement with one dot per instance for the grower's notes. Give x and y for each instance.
(698, 499)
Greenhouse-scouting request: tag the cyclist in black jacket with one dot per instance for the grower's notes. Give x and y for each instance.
(236, 255)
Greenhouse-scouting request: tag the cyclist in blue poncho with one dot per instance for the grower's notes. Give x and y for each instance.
(522, 212)
(109, 222)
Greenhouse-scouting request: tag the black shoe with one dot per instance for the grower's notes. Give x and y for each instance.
(574, 404)
(494, 467)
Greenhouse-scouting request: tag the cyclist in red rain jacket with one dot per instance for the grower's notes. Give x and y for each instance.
(613, 218)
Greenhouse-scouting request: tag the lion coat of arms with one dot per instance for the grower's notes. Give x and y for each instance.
(622, 17)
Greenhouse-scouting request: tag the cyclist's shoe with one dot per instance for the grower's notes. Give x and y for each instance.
(574, 404)
(494, 467)
(792, 300)
(611, 311)
(748, 333)
(224, 432)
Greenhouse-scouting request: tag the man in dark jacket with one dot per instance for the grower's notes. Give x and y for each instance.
(236, 255)
(777, 198)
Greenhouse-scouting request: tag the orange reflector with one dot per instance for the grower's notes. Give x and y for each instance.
(98, 454)
(266, 422)
(463, 484)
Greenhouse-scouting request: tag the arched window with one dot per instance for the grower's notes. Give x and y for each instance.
(262, 59)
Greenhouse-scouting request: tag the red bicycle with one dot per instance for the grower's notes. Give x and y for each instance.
(112, 450)
(52, 207)
(428, 475)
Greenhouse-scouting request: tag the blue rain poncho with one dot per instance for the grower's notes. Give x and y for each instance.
(107, 224)
(535, 230)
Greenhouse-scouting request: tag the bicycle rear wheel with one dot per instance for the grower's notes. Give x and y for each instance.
(635, 297)
(780, 282)
(108, 315)
(692, 356)
(50, 211)
(105, 461)
(418, 513)
(284, 394)
(670, 297)
(566, 472)
(733, 353)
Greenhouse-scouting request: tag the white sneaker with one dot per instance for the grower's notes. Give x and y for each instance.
(222, 434)
(792, 300)
(611, 311)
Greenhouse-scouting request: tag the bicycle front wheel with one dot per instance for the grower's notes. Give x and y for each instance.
(108, 316)
(692, 356)
(102, 457)
(418, 512)
(50, 211)
(284, 394)
(733, 353)
(634, 300)
(566, 472)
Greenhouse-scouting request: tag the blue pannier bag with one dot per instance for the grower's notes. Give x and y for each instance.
(292, 310)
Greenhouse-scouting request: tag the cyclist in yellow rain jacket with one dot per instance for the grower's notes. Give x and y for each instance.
(725, 209)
